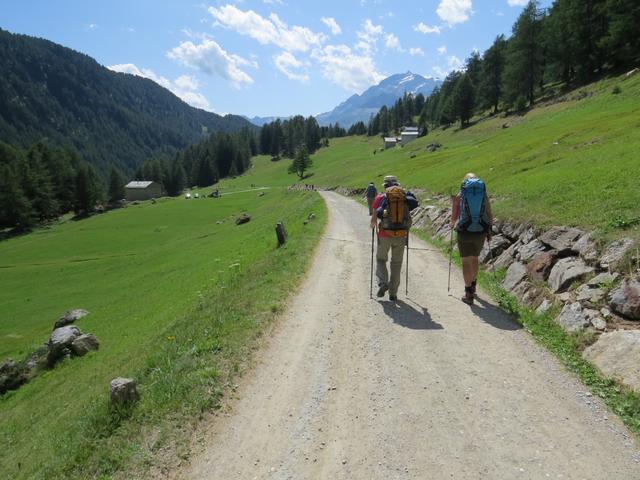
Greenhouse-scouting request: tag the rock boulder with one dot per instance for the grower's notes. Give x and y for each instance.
(12, 375)
(123, 391)
(617, 354)
(625, 300)
(516, 273)
(572, 318)
(70, 317)
(614, 255)
(60, 343)
(84, 344)
(561, 239)
(541, 264)
(567, 271)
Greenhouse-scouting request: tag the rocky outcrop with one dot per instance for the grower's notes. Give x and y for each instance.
(65, 341)
(561, 239)
(516, 273)
(625, 300)
(616, 354)
(70, 317)
(566, 271)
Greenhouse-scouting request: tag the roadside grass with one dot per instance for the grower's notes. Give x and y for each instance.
(622, 400)
(176, 300)
(568, 161)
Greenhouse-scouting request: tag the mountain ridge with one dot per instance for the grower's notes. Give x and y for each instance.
(360, 107)
(54, 93)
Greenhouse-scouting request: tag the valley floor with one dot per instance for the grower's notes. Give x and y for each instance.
(353, 388)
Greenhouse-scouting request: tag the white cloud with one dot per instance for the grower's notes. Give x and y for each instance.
(454, 11)
(392, 42)
(343, 67)
(93, 26)
(369, 32)
(416, 51)
(332, 24)
(286, 62)
(211, 58)
(453, 63)
(266, 31)
(517, 3)
(423, 28)
(442, 50)
(272, 2)
(184, 87)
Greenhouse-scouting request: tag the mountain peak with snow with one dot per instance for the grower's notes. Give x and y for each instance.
(360, 107)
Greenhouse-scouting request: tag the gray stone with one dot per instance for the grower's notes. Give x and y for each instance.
(528, 234)
(528, 294)
(603, 279)
(586, 248)
(244, 218)
(36, 361)
(589, 295)
(544, 306)
(561, 239)
(84, 344)
(599, 323)
(494, 248)
(123, 391)
(509, 231)
(625, 300)
(614, 254)
(12, 375)
(516, 273)
(60, 343)
(605, 312)
(565, 272)
(506, 258)
(617, 354)
(70, 317)
(528, 251)
(541, 264)
(572, 318)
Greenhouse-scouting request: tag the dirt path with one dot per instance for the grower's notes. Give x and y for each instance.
(428, 388)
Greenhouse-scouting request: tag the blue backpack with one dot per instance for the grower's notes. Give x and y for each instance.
(473, 212)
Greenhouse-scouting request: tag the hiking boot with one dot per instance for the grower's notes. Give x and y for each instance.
(382, 290)
(468, 295)
(393, 298)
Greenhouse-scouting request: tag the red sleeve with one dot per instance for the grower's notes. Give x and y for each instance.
(377, 201)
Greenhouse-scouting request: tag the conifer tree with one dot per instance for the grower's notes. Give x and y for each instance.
(301, 162)
(116, 185)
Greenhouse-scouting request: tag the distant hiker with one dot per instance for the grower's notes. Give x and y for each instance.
(392, 209)
(472, 219)
(371, 194)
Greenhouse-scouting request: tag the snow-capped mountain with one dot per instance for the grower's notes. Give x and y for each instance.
(361, 107)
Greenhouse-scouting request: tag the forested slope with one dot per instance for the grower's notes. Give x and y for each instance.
(51, 92)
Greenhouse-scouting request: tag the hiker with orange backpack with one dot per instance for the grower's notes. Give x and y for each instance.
(392, 220)
(472, 219)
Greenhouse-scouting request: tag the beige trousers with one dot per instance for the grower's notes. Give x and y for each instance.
(396, 245)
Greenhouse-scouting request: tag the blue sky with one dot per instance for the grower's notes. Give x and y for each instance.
(268, 57)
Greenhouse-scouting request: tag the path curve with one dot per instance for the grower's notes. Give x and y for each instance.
(428, 388)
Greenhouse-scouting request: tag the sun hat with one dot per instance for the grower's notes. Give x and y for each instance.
(389, 180)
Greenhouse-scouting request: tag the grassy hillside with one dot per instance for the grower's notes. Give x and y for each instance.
(570, 161)
(174, 299)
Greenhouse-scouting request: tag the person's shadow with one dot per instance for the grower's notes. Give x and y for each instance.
(494, 316)
(407, 316)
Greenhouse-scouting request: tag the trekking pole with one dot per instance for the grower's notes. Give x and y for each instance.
(373, 233)
(406, 280)
(450, 254)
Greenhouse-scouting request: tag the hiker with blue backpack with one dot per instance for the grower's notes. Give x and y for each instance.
(371, 193)
(392, 220)
(472, 219)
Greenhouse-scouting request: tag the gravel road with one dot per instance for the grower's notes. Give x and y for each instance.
(425, 388)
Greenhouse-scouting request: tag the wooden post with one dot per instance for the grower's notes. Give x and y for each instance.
(281, 233)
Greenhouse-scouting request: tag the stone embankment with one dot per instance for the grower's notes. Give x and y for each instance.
(564, 270)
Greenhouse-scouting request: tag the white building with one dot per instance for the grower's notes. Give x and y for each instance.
(390, 142)
(408, 134)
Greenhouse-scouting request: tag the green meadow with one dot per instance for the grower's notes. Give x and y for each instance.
(175, 298)
(571, 160)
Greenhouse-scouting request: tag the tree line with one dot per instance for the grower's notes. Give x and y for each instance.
(41, 183)
(572, 43)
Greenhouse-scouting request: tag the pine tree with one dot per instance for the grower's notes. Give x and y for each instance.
(87, 191)
(523, 68)
(464, 99)
(490, 89)
(301, 162)
(622, 41)
(116, 185)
